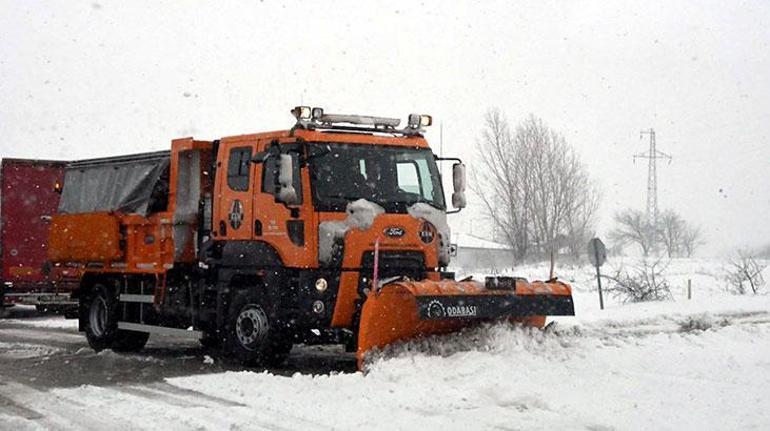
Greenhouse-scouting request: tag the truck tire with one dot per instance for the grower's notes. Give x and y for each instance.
(101, 323)
(130, 341)
(253, 338)
(3, 306)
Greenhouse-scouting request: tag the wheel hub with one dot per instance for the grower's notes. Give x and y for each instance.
(251, 326)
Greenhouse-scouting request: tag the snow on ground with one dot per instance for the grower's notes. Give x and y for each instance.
(706, 368)
(659, 373)
(684, 364)
(26, 315)
(24, 350)
(706, 274)
(55, 322)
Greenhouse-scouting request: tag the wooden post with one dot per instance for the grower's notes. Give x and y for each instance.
(689, 289)
(599, 282)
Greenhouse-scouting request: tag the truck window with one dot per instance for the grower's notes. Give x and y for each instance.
(269, 175)
(424, 172)
(159, 197)
(238, 169)
(392, 177)
(408, 177)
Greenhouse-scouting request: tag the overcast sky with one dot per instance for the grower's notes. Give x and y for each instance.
(97, 78)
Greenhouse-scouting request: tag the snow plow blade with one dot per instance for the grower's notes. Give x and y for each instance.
(408, 309)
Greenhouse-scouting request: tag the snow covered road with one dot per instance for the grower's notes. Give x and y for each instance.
(706, 366)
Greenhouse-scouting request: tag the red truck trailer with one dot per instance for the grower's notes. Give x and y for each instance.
(28, 198)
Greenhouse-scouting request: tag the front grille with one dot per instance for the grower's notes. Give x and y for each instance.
(395, 263)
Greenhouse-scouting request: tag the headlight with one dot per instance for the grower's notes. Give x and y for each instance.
(301, 112)
(321, 284)
(418, 121)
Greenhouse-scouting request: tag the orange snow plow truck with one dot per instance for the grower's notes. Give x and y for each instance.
(334, 231)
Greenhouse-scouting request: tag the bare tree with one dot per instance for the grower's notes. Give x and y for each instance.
(632, 227)
(679, 237)
(676, 236)
(671, 230)
(579, 222)
(744, 270)
(534, 187)
(500, 183)
(692, 238)
(646, 282)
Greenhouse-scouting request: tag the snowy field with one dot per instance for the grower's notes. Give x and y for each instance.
(683, 364)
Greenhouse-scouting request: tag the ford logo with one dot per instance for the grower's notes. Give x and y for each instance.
(394, 231)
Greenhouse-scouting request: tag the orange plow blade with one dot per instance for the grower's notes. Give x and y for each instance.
(408, 309)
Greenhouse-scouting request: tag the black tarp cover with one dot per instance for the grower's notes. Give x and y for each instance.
(122, 184)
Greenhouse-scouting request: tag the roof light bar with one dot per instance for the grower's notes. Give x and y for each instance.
(362, 120)
(312, 118)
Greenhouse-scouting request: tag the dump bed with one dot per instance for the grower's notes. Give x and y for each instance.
(111, 210)
(27, 200)
(137, 213)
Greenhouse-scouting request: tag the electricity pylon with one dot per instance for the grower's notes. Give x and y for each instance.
(652, 155)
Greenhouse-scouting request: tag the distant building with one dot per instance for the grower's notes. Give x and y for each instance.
(476, 254)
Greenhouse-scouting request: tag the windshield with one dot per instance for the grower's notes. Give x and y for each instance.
(392, 177)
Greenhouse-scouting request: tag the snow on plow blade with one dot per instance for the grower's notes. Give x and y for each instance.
(409, 309)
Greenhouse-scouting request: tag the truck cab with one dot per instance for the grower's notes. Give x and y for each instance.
(316, 201)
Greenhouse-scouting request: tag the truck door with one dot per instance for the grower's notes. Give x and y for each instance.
(234, 215)
(288, 228)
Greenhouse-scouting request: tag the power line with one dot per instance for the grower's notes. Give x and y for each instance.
(652, 155)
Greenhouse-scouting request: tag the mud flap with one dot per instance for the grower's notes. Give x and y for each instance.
(408, 309)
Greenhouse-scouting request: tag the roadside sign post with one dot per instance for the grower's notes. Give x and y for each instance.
(597, 254)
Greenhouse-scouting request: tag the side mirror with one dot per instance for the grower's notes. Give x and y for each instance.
(287, 193)
(458, 178)
(260, 157)
(273, 150)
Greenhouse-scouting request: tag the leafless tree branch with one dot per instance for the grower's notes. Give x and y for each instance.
(534, 188)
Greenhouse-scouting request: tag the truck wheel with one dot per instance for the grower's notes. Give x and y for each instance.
(252, 336)
(101, 323)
